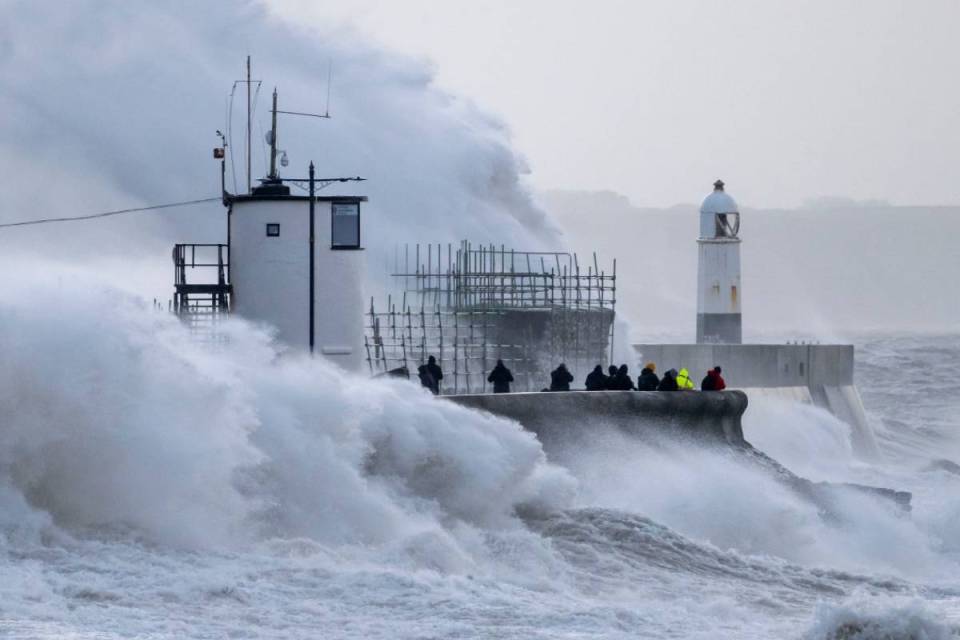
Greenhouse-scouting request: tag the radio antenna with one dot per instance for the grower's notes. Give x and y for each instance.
(249, 183)
(329, 75)
(272, 134)
(249, 82)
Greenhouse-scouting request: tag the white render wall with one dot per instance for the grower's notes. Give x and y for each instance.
(271, 282)
(718, 276)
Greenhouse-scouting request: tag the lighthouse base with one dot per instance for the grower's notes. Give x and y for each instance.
(719, 328)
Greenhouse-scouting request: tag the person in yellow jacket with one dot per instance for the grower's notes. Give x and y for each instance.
(684, 381)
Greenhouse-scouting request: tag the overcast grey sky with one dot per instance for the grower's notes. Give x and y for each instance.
(785, 100)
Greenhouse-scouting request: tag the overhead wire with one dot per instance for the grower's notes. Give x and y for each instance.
(106, 214)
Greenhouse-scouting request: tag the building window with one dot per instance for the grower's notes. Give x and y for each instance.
(273, 229)
(346, 225)
(801, 369)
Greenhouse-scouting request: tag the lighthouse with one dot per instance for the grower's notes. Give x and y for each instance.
(718, 270)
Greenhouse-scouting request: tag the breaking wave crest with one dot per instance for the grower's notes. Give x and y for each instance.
(115, 420)
(884, 618)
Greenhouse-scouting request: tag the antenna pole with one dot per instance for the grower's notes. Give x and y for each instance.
(329, 76)
(273, 138)
(312, 258)
(248, 125)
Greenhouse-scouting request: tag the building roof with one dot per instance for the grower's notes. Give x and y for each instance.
(258, 197)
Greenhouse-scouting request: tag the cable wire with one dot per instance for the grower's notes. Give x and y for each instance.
(105, 214)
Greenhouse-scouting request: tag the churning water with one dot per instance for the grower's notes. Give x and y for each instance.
(152, 487)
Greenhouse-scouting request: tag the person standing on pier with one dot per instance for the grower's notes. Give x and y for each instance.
(648, 380)
(596, 381)
(669, 381)
(612, 377)
(622, 381)
(501, 378)
(560, 378)
(714, 381)
(430, 375)
(683, 380)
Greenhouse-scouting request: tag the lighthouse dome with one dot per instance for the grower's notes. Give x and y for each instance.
(719, 201)
(719, 214)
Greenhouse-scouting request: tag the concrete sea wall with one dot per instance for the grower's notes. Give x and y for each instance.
(816, 374)
(713, 416)
(568, 420)
(758, 365)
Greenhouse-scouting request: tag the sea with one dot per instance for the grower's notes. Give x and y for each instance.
(156, 485)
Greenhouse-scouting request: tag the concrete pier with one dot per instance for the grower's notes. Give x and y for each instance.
(712, 416)
(821, 375)
(568, 420)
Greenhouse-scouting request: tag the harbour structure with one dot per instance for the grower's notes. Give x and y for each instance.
(808, 373)
(295, 262)
(470, 305)
(718, 270)
(292, 261)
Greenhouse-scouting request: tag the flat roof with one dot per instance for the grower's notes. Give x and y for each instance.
(251, 197)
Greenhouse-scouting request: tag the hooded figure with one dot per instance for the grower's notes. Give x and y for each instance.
(596, 381)
(648, 380)
(501, 378)
(713, 381)
(430, 375)
(622, 381)
(669, 381)
(560, 379)
(611, 377)
(683, 380)
(426, 380)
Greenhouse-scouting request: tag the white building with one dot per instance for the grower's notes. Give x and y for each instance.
(272, 254)
(293, 262)
(718, 270)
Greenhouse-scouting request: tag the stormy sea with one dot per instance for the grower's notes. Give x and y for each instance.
(154, 486)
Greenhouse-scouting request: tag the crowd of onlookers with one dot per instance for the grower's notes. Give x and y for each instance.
(615, 379)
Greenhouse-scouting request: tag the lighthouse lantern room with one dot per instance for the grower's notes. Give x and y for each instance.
(718, 270)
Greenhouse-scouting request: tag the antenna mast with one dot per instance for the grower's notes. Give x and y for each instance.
(329, 75)
(273, 139)
(249, 184)
(272, 135)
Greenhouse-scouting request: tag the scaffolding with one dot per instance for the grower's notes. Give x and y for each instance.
(471, 305)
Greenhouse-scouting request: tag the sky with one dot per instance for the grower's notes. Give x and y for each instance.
(788, 102)
(467, 118)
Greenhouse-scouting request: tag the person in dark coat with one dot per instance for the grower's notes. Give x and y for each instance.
(612, 377)
(669, 381)
(560, 378)
(596, 381)
(501, 378)
(622, 382)
(426, 380)
(713, 381)
(436, 373)
(708, 383)
(648, 380)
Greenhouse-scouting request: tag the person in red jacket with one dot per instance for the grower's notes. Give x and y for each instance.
(714, 381)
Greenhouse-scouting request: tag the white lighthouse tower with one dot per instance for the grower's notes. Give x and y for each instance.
(718, 270)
